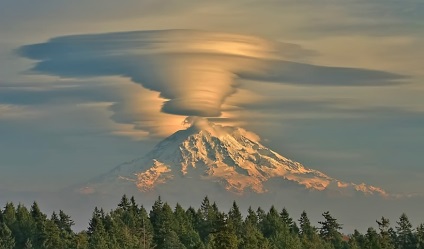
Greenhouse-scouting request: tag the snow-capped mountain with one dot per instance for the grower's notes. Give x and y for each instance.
(229, 156)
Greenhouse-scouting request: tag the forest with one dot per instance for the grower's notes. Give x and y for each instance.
(131, 226)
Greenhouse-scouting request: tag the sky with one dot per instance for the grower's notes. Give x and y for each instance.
(87, 84)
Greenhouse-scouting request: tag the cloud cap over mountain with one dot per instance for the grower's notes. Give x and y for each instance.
(194, 71)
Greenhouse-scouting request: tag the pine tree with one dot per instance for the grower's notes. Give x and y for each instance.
(420, 236)
(65, 222)
(261, 215)
(207, 218)
(385, 239)
(225, 236)
(124, 203)
(272, 223)
(306, 229)
(163, 222)
(9, 214)
(285, 217)
(6, 238)
(308, 234)
(235, 220)
(205, 208)
(353, 243)
(252, 237)
(405, 238)
(187, 235)
(28, 244)
(144, 230)
(24, 226)
(97, 234)
(130, 227)
(53, 238)
(359, 239)
(372, 240)
(393, 236)
(329, 230)
(39, 235)
(80, 241)
(115, 229)
(251, 217)
(286, 239)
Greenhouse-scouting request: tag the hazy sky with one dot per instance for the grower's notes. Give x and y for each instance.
(336, 85)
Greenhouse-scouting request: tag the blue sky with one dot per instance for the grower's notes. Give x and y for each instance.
(351, 103)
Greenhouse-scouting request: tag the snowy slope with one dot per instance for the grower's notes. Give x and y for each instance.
(229, 156)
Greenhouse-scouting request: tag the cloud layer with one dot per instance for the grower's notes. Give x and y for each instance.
(194, 72)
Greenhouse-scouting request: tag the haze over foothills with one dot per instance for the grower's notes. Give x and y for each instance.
(335, 85)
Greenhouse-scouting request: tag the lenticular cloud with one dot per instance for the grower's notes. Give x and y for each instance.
(193, 71)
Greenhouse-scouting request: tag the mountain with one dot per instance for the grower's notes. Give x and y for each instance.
(232, 158)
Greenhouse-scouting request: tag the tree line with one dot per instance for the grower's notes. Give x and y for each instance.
(130, 226)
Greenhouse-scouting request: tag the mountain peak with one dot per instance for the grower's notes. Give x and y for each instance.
(199, 123)
(230, 156)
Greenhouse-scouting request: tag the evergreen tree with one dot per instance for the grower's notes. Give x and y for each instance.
(144, 229)
(393, 236)
(295, 228)
(420, 236)
(24, 226)
(272, 224)
(97, 234)
(28, 244)
(288, 221)
(359, 239)
(235, 220)
(9, 214)
(185, 230)
(193, 216)
(171, 241)
(65, 222)
(251, 217)
(372, 240)
(353, 243)
(261, 215)
(405, 238)
(134, 206)
(53, 239)
(124, 203)
(207, 219)
(286, 239)
(119, 235)
(308, 234)
(156, 218)
(329, 230)
(6, 238)
(130, 227)
(306, 229)
(385, 239)
(225, 236)
(39, 235)
(163, 222)
(251, 235)
(80, 241)
(285, 217)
